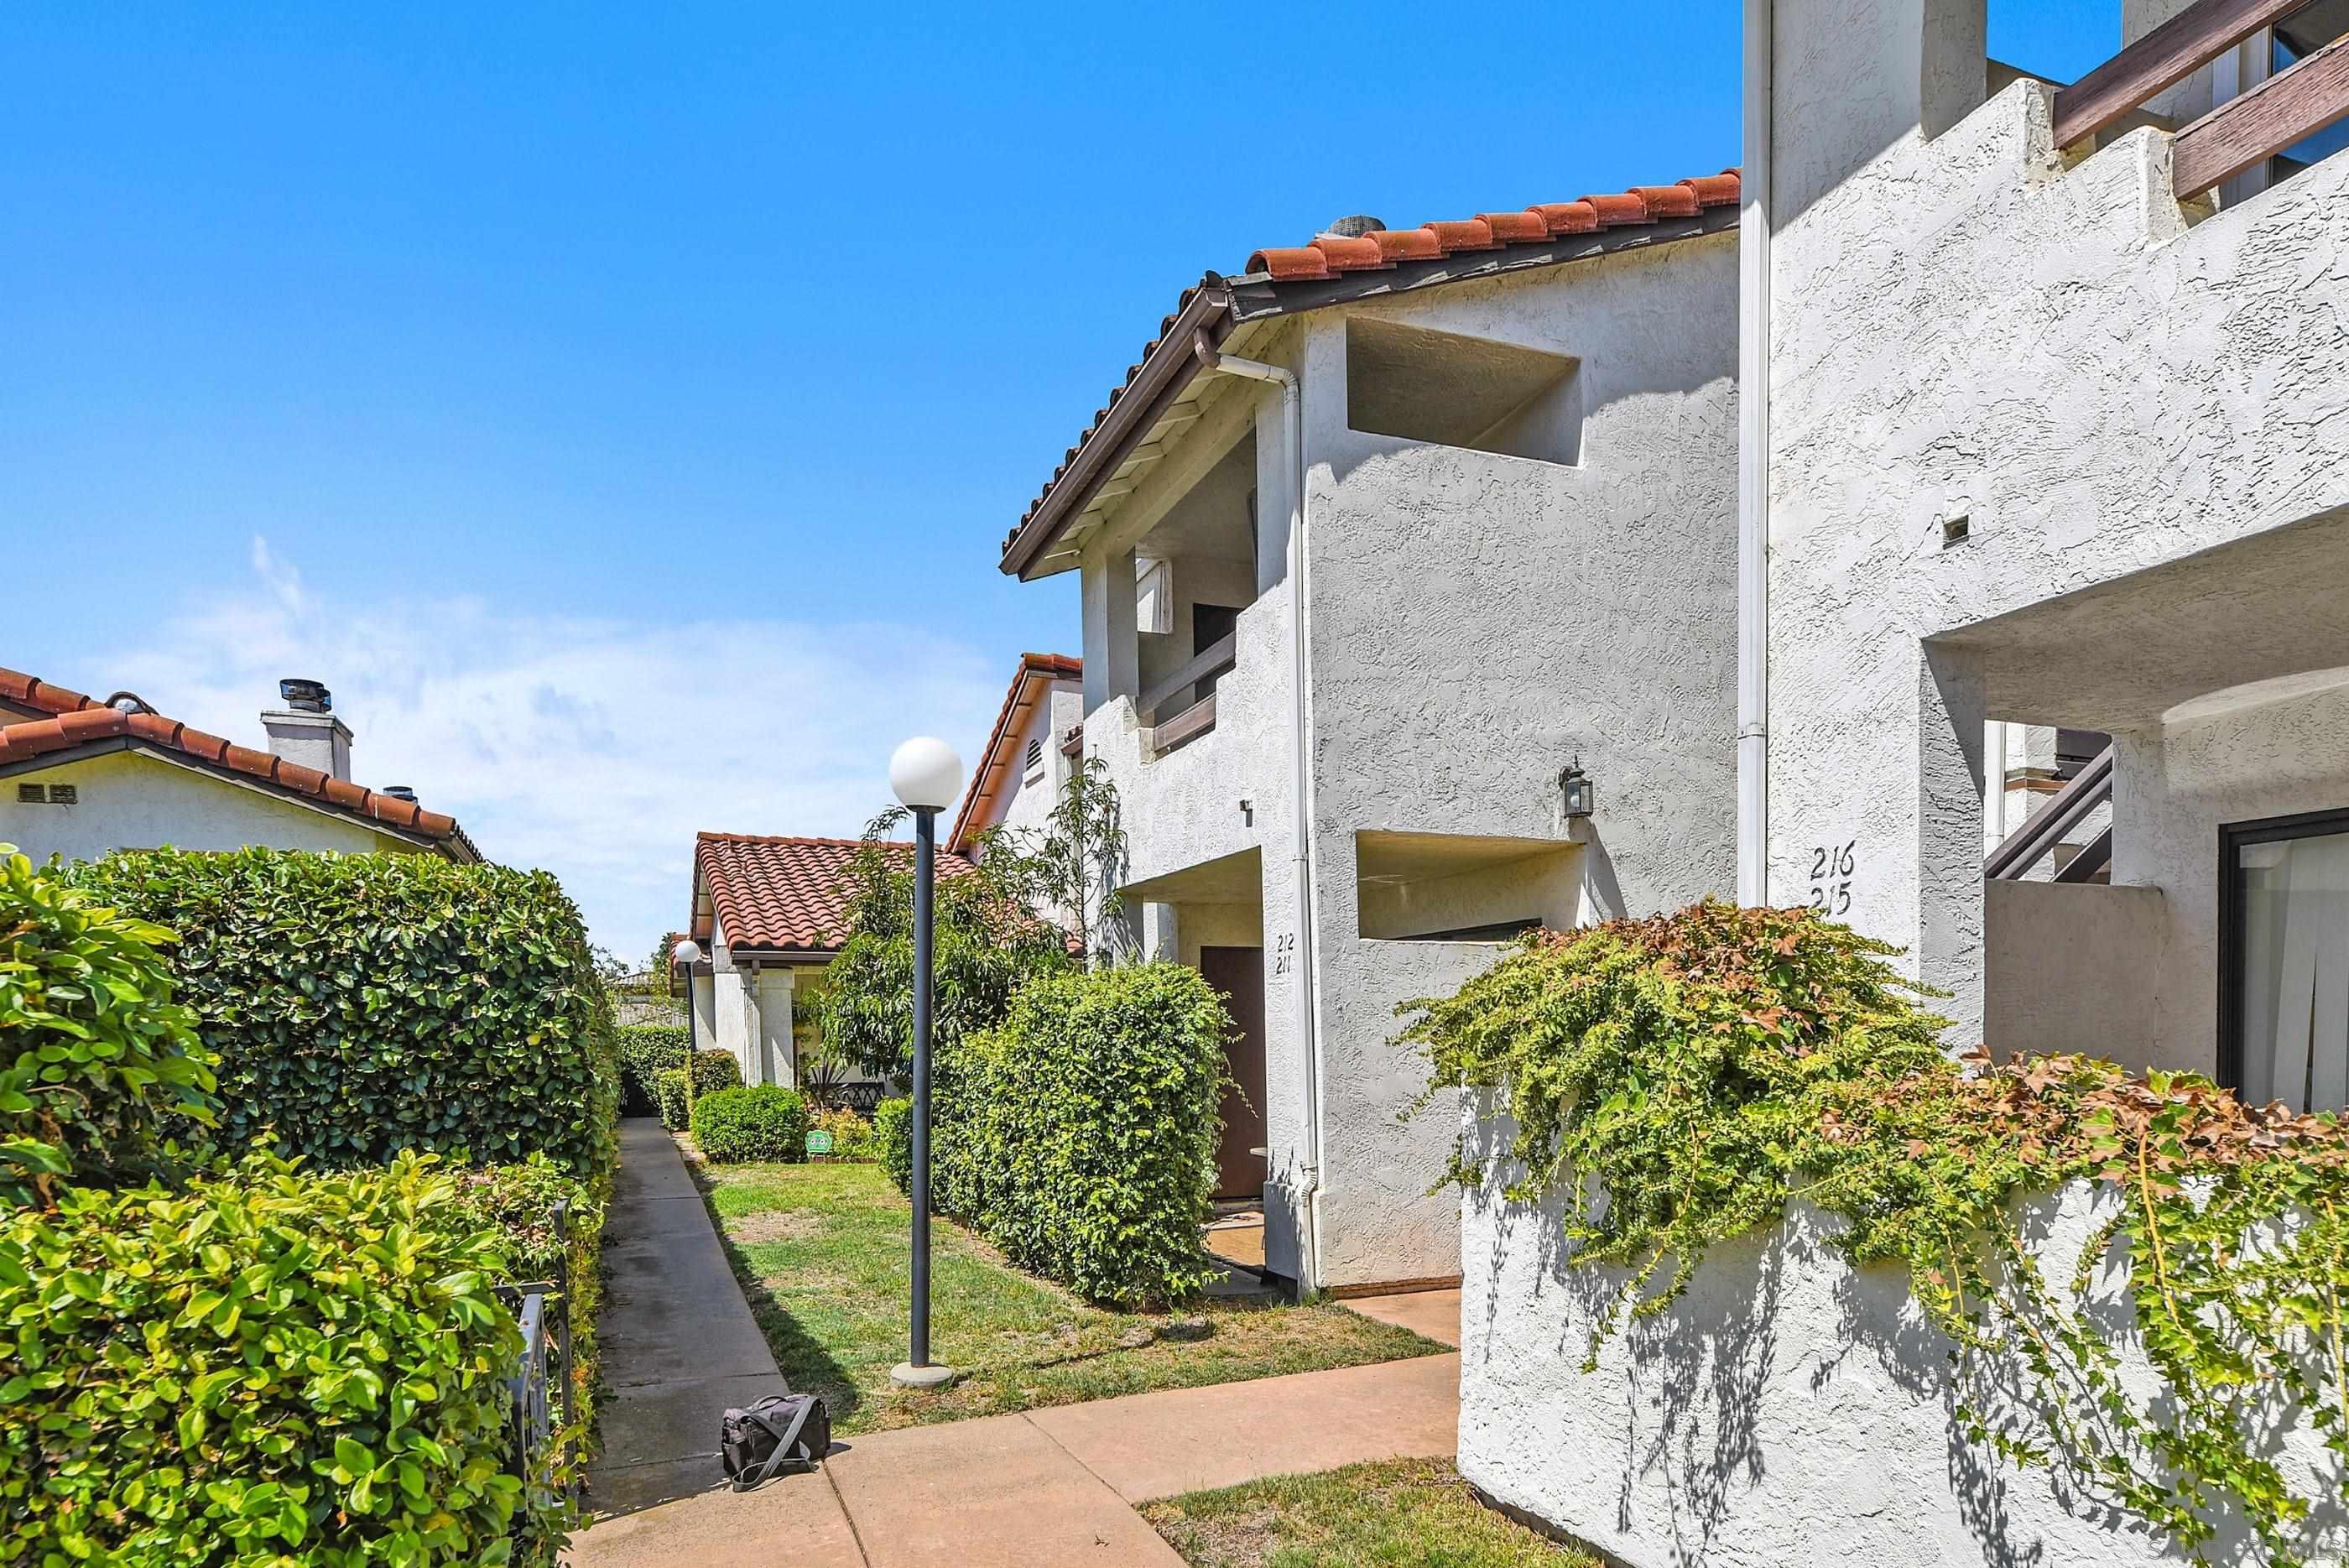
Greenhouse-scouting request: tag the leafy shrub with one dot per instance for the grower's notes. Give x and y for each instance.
(646, 1051)
(363, 1004)
(266, 1367)
(97, 1066)
(1704, 1068)
(893, 1140)
(712, 1070)
(852, 1133)
(766, 1121)
(516, 1203)
(1080, 1136)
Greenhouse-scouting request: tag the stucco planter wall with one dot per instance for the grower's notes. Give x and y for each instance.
(1788, 1410)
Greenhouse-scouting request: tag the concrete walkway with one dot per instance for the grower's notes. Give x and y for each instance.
(1040, 1490)
(1049, 1488)
(1432, 1314)
(679, 1342)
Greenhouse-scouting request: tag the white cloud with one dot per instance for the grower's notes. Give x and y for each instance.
(594, 748)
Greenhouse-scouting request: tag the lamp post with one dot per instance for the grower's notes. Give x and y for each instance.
(926, 776)
(688, 952)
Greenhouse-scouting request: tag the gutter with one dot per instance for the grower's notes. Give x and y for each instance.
(1753, 468)
(1292, 405)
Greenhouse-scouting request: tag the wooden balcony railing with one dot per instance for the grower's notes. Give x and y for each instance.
(2236, 135)
(1196, 718)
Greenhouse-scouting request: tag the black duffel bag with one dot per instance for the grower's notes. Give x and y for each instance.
(782, 1429)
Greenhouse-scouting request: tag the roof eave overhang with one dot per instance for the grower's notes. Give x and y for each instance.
(1225, 304)
(1258, 296)
(1158, 384)
(456, 847)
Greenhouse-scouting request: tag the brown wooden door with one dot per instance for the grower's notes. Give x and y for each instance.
(1238, 973)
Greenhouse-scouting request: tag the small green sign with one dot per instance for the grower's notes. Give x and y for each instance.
(819, 1141)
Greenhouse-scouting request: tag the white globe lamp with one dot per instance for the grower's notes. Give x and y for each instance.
(684, 955)
(926, 774)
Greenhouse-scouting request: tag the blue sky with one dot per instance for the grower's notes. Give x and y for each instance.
(621, 407)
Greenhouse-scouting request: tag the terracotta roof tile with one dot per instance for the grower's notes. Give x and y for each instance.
(1035, 675)
(1333, 255)
(80, 721)
(787, 895)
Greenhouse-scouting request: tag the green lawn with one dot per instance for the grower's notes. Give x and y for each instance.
(822, 1253)
(1398, 1513)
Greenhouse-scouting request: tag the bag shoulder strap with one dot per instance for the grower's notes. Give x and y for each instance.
(785, 1437)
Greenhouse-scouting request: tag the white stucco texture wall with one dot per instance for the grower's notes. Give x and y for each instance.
(2173, 788)
(1478, 621)
(1964, 327)
(130, 801)
(1787, 1410)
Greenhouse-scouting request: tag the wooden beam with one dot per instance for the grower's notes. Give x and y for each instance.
(2162, 58)
(2246, 130)
(1190, 723)
(1216, 656)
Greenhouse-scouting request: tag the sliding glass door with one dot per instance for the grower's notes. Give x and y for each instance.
(2284, 960)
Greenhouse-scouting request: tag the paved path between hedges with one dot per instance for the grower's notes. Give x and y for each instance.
(678, 1343)
(1055, 1487)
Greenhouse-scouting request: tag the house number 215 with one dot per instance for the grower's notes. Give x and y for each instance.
(1831, 875)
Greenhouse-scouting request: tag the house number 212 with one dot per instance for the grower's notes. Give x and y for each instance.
(1284, 953)
(1831, 875)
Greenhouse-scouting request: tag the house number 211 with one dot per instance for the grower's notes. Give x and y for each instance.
(1284, 952)
(1831, 875)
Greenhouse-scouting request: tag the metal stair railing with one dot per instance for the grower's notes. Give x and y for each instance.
(2065, 810)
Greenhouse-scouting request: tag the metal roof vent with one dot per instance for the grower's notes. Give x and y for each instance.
(399, 792)
(306, 696)
(1354, 228)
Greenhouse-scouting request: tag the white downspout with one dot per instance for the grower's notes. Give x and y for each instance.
(1753, 469)
(1293, 408)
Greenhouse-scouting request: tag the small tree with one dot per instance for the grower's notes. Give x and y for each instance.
(1077, 864)
(989, 940)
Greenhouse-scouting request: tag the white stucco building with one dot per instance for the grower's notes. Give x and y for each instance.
(79, 777)
(1379, 539)
(769, 913)
(1029, 754)
(2045, 429)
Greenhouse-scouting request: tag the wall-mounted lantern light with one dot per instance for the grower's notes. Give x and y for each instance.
(1580, 794)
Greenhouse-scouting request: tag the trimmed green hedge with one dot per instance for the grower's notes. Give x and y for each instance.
(1080, 1136)
(98, 1067)
(766, 1121)
(893, 1140)
(267, 1367)
(712, 1070)
(516, 1204)
(646, 1051)
(363, 1004)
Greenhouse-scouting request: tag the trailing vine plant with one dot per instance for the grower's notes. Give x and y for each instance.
(1702, 1069)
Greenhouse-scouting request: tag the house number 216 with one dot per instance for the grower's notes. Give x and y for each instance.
(1831, 874)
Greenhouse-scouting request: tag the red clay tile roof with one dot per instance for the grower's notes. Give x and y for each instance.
(1330, 254)
(783, 894)
(79, 721)
(1330, 257)
(1035, 677)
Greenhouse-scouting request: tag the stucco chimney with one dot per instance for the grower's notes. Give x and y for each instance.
(306, 730)
(1354, 226)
